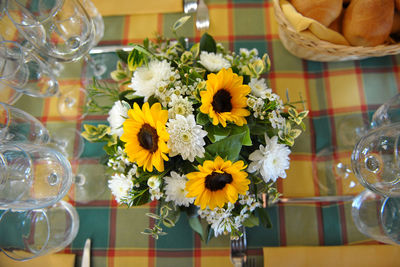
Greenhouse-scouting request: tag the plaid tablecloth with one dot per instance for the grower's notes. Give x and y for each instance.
(341, 97)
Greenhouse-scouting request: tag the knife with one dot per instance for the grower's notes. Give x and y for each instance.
(86, 254)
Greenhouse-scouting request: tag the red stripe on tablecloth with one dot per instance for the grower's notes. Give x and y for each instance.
(125, 39)
(197, 253)
(151, 252)
(396, 71)
(160, 23)
(282, 226)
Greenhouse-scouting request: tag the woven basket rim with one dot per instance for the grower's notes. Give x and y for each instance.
(321, 46)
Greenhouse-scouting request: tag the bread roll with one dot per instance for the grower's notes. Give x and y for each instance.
(396, 23)
(324, 11)
(368, 22)
(336, 25)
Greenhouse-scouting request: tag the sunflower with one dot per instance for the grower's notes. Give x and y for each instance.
(225, 98)
(217, 182)
(146, 137)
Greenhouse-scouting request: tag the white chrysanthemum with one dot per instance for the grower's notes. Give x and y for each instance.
(185, 137)
(179, 105)
(146, 79)
(120, 186)
(271, 161)
(175, 189)
(213, 62)
(154, 182)
(259, 88)
(116, 117)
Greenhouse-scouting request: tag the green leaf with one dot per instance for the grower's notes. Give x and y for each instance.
(195, 50)
(123, 55)
(179, 23)
(195, 224)
(95, 134)
(246, 131)
(141, 198)
(264, 217)
(202, 118)
(207, 43)
(210, 234)
(168, 222)
(228, 148)
(251, 221)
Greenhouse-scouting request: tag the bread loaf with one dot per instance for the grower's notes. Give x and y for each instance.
(368, 22)
(323, 11)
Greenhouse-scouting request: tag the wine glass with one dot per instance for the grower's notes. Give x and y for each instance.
(28, 234)
(18, 126)
(387, 113)
(61, 29)
(32, 176)
(377, 217)
(26, 74)
(375, 160)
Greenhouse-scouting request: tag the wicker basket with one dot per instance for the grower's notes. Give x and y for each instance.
(320, 50)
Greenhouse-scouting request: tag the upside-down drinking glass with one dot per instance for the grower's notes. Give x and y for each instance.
(32, 176)
(28, 234)
(61, 29)
(377, 217)
(25, 74)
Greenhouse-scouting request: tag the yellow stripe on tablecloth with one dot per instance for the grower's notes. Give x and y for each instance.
(129, 7)
(59, 260)
(332, 256)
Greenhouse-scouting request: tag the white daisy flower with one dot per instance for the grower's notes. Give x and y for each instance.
(179, 105)
(116, 117)
(146, 79)
(213, 62)
(185, 137)
(120, 186)
(175, 189)
(271, 161)
(259, 88)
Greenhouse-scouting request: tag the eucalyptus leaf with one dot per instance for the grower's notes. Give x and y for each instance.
(195, 224)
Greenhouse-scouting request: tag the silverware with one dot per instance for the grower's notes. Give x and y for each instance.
(202, 17)
(239, 249)
(86, 254)
(189, 6)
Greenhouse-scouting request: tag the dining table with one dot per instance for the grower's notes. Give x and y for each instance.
(316, 196)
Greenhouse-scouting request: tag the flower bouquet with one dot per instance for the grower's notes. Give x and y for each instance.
(198, 130)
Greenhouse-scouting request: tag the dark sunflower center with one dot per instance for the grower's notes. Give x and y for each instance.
(148, 138)
(222, 101)
(217, 181)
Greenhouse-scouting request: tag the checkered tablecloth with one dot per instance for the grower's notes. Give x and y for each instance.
(341, 97)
